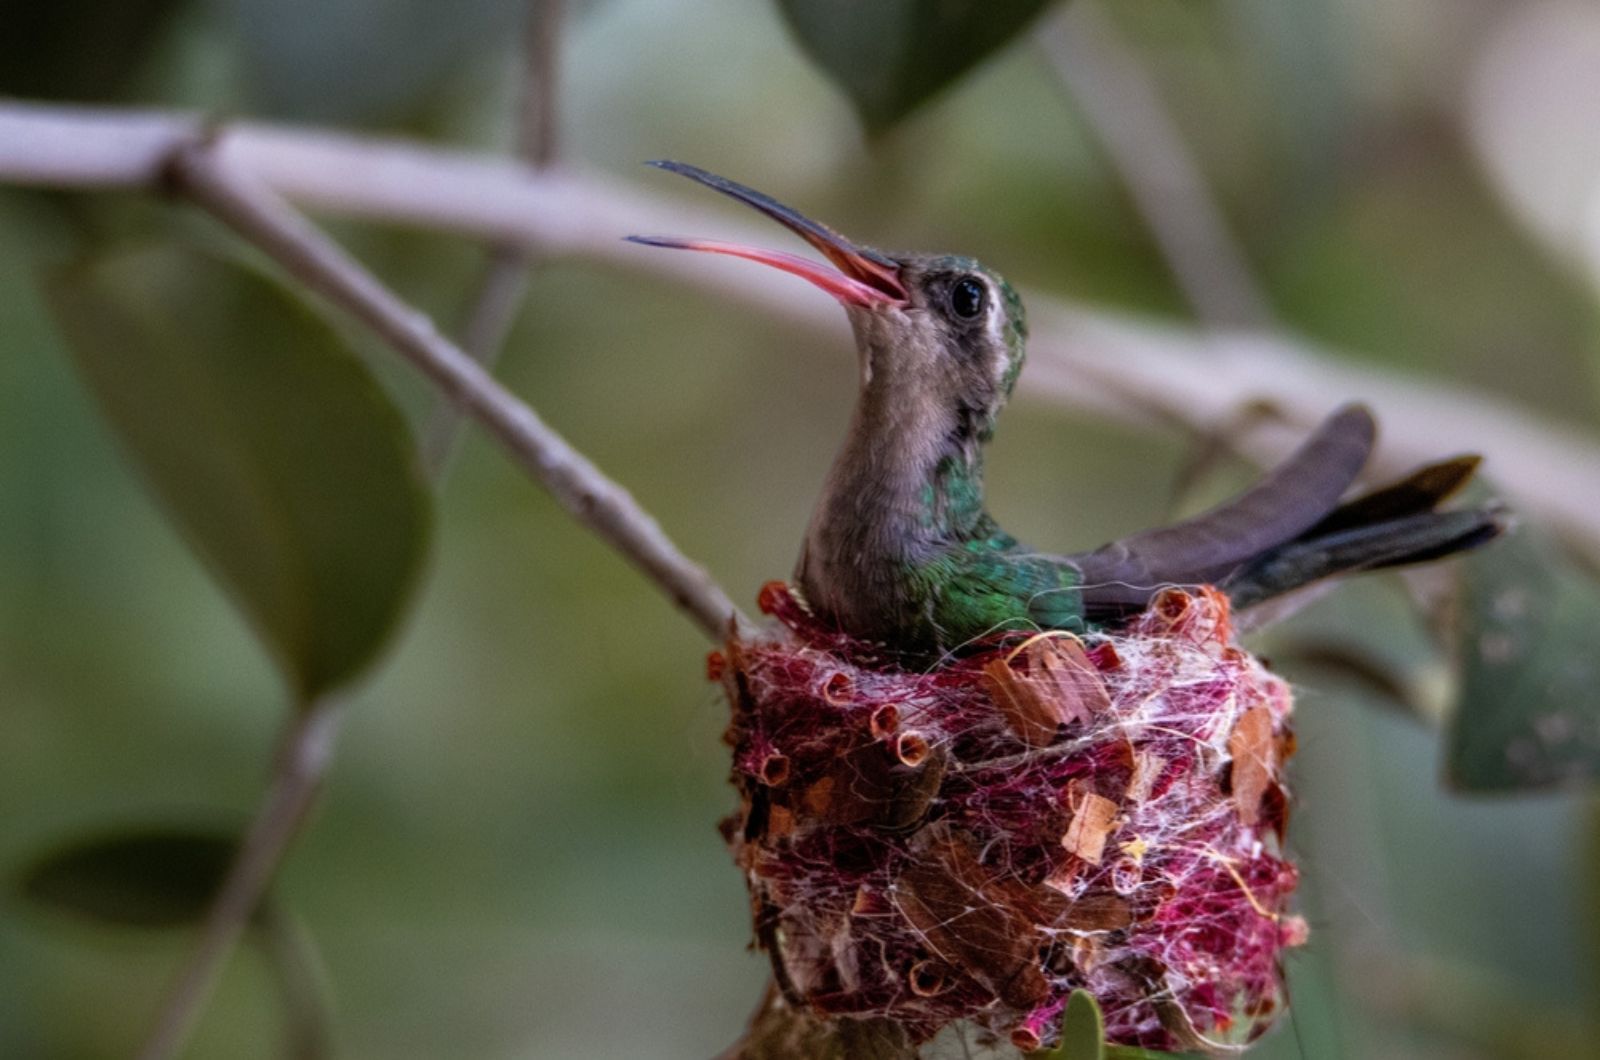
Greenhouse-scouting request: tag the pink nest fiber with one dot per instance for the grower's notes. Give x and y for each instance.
(976, 839)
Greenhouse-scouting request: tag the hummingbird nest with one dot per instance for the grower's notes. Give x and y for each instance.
(976, 839)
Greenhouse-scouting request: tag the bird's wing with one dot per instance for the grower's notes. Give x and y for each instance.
(1294, 497)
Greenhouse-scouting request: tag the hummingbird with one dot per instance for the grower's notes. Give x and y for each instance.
(901, 548)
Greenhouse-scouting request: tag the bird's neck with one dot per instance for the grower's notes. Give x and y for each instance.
(906, 485)
(908, 473)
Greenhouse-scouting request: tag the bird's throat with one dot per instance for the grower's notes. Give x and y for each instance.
(904, 488)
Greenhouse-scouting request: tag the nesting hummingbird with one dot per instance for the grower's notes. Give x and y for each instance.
(901, 549)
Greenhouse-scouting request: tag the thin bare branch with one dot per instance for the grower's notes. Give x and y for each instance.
(315, 260)
(310, 737)
(1122, 104)
(1115, 366)
(304, 756)
(504, 282)
(292, 957)
(228, 191)
(539, 116)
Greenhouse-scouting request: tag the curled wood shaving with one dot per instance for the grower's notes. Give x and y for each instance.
(1058, 684)
(964, 916)
(1147, 766)
(1093, 819)
(1255, 764)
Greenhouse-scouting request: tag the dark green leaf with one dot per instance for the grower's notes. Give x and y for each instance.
(1529, 710)
(155, 877)
(1128, 1052)
(81, 50)
(358, 62)
(265, 440)
(890, 56)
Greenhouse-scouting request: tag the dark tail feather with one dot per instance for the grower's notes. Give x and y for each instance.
(1347, 549)
(1421, 491)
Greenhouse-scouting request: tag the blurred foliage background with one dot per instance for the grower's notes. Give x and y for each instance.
(515, 854)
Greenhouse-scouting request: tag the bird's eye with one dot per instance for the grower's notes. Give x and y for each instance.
(967, 297)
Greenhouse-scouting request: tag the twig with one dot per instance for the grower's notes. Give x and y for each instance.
(1108, 364)
(500, 291)
(319, 263)
(504, 283)
(291, 955)
(539, 120)
(306, 750)
(1122, 104)
(596, 501)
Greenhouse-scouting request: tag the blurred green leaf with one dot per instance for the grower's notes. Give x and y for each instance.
(265, 440)
(153, 877)
(80, 50)
(891, 56)
(369, 62)
(1529, 712)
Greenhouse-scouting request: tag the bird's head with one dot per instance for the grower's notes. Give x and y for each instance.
(940, 337)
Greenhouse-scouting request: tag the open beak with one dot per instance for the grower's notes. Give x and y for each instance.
(861, 276)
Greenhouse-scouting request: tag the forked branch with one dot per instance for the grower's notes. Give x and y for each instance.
(223, 188)
(1115, 366)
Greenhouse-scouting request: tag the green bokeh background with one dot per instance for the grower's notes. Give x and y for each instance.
(515, 855)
